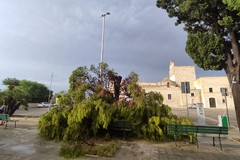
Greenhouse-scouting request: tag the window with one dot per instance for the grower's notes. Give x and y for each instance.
(212, 102)
(192, 94)
(168, 84)
(169, 96)
(210, 89)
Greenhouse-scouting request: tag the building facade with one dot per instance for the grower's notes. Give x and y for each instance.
(206, 90)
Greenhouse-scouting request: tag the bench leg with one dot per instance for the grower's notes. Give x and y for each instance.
(220, 142)
(175, 138)
(5, 124)
(213, 141)
(197, 141)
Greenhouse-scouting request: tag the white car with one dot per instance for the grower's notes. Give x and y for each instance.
(44, 105)
(194, 105)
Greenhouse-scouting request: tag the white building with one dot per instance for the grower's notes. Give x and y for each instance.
(206, 90)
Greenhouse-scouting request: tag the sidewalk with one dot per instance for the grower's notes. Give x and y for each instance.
(23, 143)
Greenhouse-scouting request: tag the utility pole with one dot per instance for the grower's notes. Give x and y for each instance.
(49, 93)
(185, 88)
(227, 108)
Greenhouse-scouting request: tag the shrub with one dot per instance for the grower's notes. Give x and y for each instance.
(71, 150)
(91, 105)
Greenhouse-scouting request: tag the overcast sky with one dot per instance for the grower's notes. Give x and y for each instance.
(39, 38)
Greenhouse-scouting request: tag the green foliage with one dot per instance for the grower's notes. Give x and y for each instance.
(210, 25)
(75, 149)
(82, 114)
(184, 121)
(206, 49)
(34, 91)
(91, 116)
(71, 150)
(78, 78)
(65, 100)
(11, 81)
(20, 93)
(52, 125)
(107, 150)
(233, 4)
(152, 130)
(213, 35)
(13, 99)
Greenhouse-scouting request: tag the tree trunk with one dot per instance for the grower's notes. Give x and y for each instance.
(236, 99)
(232, 69)
(12, 106)
(117, 86)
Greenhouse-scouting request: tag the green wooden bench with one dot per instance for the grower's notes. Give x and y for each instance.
(178, 130)
(121, 125)
(6, 118)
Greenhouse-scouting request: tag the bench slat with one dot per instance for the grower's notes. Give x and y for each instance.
(6, 118)
(121, 125)
(197, 129)
(177, 129)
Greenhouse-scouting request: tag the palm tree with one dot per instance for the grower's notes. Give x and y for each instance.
(11, 83)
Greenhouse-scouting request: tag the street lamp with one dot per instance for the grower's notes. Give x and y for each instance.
(102, 45)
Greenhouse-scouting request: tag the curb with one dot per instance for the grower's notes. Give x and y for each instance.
(24, 116)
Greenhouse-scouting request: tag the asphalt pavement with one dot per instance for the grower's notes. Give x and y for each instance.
(23, 143)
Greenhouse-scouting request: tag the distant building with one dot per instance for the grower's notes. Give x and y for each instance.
(206, 90)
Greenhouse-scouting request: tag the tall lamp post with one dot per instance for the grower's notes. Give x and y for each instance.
(102, 45)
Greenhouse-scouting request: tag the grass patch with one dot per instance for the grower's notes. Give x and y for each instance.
(71, 150)
(78, 149)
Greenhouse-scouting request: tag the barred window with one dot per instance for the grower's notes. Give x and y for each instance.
(169, 96)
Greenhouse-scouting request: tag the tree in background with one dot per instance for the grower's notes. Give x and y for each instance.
(21, 92)
(11, 98)
(34, 92)
(213, 36)
(11, 82)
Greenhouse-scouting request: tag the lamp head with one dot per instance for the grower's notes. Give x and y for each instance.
(103, 15)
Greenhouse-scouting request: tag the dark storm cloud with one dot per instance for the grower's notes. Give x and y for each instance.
(41, 37)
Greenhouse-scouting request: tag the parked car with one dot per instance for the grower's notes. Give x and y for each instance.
(194, 105)
(44, 105)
